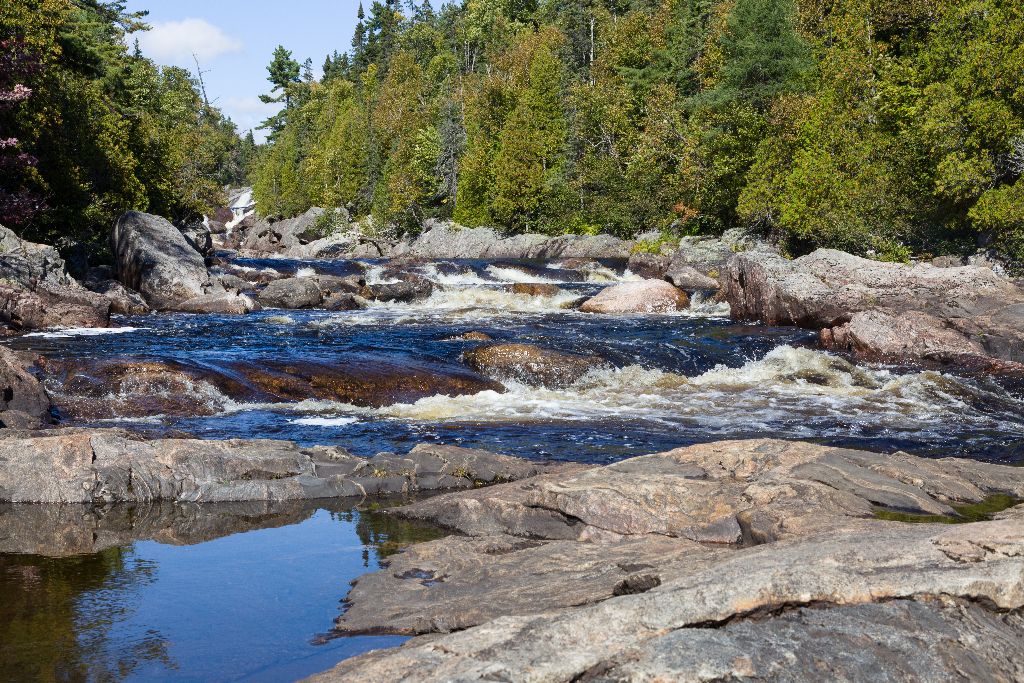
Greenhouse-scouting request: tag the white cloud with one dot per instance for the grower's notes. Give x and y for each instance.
(175, 42)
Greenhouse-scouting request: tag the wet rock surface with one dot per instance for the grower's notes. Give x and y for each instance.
(954, 311)
(110, 466)
(649, 296)
(98, 388)
(446, 240)
(697, 563)
(531, 365)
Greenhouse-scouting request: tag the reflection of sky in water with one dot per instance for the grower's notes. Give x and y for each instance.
(245, 607)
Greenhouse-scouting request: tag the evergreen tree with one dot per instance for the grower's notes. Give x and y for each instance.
(283, 73)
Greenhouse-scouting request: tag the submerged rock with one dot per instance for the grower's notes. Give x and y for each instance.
(955, 311)
(413, 288)
(108, 466)
(664, 566)
(153, 258)
(649, 296)
(531, 364)
(536, 289)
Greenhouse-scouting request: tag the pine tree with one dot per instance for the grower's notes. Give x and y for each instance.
(762, 54)
(530, 162)
(283, 73)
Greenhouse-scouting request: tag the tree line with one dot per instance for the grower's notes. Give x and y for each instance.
(879, 127)
(89, 128)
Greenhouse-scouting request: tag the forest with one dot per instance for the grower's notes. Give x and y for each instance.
(882, 128)
(90, 128)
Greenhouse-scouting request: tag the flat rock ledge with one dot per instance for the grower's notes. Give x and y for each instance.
(763, 559)
(110, 466)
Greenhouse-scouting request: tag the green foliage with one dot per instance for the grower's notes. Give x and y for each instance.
(110, 130)
(885, 130)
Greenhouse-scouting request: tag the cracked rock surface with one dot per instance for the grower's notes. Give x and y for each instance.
(740, 559)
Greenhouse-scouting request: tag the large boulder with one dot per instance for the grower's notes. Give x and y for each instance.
(648, 296)
(110, 466)
(153, 258)
(531, 365)
(969, 309)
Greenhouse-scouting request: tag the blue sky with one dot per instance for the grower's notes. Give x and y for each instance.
(234, 40)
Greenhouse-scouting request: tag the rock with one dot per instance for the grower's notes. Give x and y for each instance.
(154, 258)
(227, 303)
(24, 402)
(473, 335)
(200, 237)
(108, 466)
(446, 240)
(110, 388)
(710, 255)
(102, 389)
(758, 606)
(36, 292)
(122, 299)
(689, 279)
(343, 302)
(535, 289)
(947, 262)
(235, 284)
(291, 293)
(827, 288)
(531, 365)
(333, 284)
(907, 336)
(649, 266)
(362, 381)
(414, 288)
(649, 296)
(257, 237)
(27, 265)
(45, 307)
(629, 572)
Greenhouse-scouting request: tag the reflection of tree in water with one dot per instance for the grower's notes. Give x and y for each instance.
(386, 534)
(56, 615)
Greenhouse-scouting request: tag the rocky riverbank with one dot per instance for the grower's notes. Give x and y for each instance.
(729, 559)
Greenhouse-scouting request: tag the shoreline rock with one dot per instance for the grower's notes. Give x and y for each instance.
(882, 311)
(110, 466)
(618, 572)
(36, 291)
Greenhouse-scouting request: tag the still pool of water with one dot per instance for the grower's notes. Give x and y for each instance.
(228, 592)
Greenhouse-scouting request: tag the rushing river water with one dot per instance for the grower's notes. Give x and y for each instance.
(170, 597)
